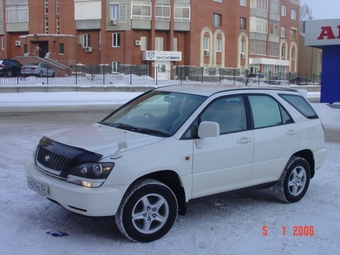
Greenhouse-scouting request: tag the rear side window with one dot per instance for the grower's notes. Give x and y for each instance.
(267, 112)
(300, 104)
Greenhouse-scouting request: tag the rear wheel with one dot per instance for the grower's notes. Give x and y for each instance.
(9, 73)
(147, 211)
(294, 181)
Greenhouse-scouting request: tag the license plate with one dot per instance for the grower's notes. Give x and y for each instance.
(37, 186)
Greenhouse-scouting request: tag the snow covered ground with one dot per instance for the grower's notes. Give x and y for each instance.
(252, 222)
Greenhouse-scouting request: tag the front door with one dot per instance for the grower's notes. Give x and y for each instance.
(224, 163)
(162, 70)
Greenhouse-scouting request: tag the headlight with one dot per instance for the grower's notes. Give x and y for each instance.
(90, 174)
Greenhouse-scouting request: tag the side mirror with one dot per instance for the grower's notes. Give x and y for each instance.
(208, 129)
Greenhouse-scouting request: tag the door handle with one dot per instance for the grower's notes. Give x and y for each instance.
(291, 132)
(244, 140)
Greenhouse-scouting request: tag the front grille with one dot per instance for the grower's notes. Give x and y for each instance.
(52, 160)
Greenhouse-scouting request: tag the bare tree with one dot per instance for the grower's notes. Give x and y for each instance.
(305, 14)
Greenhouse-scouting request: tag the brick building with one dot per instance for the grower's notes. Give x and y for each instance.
(254, 35)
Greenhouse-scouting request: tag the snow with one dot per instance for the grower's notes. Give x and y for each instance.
(230, 224)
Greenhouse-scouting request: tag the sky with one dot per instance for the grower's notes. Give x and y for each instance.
(323, 9)
(231, 224)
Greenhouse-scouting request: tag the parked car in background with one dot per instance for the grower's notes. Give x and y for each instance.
(300, 81)
(10, 68)
(278, 80)
(212, 140)
(37, 69)
(255, 78)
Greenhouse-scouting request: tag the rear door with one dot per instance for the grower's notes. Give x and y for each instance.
(276, 137)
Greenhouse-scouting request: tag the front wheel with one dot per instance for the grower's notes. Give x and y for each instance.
(147, 211)
(294, 181)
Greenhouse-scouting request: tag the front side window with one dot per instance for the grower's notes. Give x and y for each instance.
(116, 40)
(228, 112)
(267, 112)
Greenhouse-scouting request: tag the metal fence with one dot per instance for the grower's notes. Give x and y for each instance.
(144, 75)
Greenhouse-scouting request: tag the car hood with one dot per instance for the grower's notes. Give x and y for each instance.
(103, 139)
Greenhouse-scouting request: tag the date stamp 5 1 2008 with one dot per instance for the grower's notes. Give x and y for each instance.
(295, 231)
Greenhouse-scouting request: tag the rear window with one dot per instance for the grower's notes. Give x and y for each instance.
(300, 104)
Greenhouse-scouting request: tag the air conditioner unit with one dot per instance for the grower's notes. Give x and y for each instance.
(206, 53)
(113, 22)
(17, 43)
(243, 55)
(88, 49)
(138, 43)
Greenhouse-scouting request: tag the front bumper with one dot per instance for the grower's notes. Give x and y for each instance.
(102, 201)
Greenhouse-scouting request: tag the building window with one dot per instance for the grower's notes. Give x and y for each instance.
(86, 40)
(293, 33)
(46, 6)
(46, 25)
(115, 11)
(259, 25)
(162, 12)
(175, 44)
(144, 43)
(61, 49)
(274, 6)
(217, 20)
(243, 2)
(274, 29)
(258, 47)
(115, 67)
(141, 10)
(218, 45)
(206, 43)
(284, 10)
(293, 53)
(159, 42)
(25, 48)
(182, 12)
(116, 40)
(243, 22)
(293, 14)
(57, 6)
(220, 1)
(283, 32)
(2, 42)
(57, 25)
(283, 52)
(273, 49)
(16, 13)
(259, 4)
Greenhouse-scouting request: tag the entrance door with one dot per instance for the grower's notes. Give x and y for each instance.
(162, 70)
(43, 48)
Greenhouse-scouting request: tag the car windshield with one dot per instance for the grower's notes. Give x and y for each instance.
(155, 113)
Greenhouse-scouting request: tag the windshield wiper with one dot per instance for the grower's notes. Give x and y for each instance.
(136, 129)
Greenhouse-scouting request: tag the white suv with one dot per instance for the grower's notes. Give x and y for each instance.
(255, 78)
(145, 161)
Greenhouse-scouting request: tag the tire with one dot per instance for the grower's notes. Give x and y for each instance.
(294, 181)
(147, 212)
